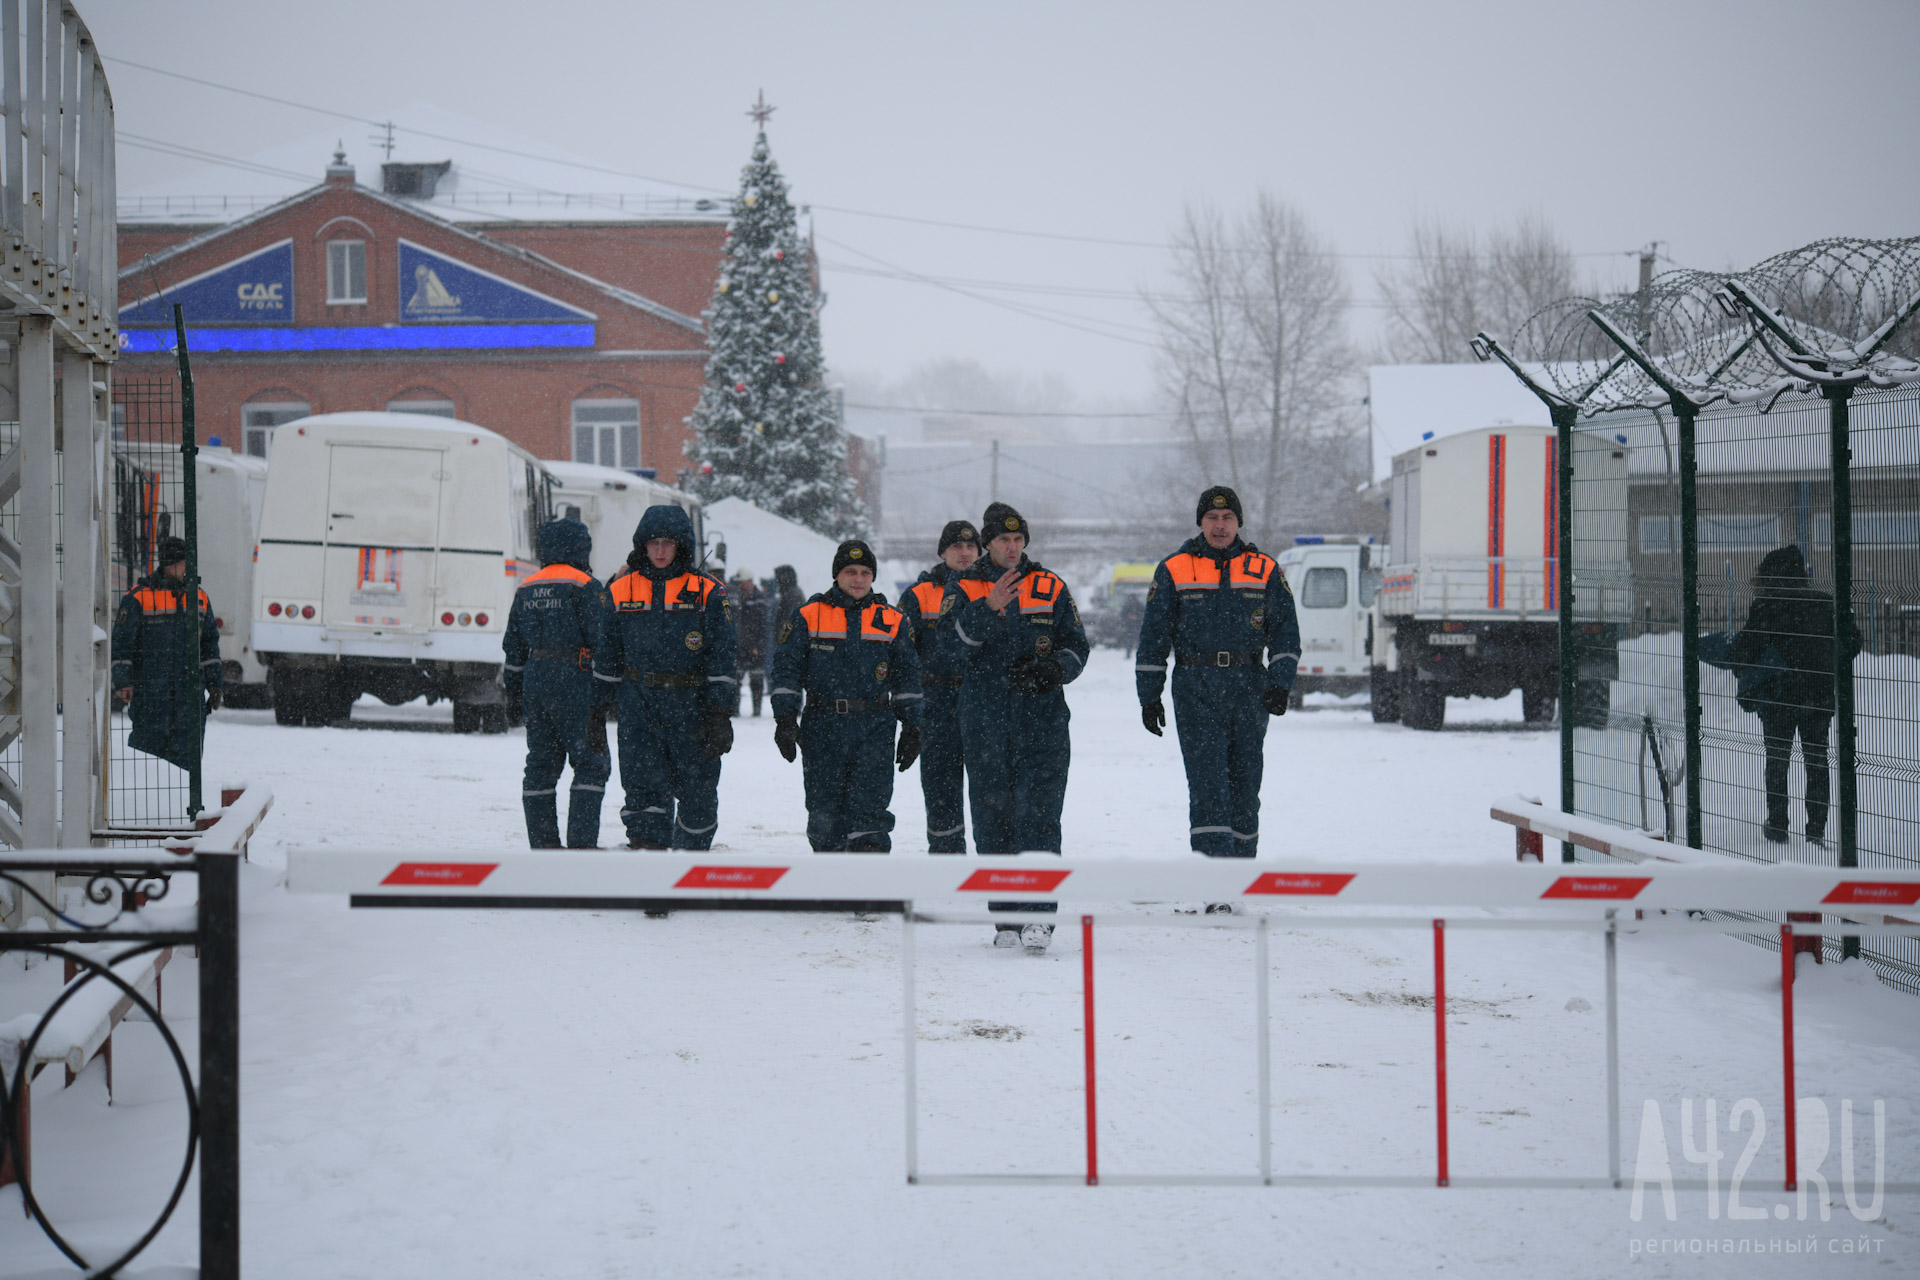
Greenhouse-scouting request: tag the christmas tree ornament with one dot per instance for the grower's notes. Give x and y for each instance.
(774, 296)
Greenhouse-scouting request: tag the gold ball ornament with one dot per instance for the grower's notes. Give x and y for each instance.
(773, 297)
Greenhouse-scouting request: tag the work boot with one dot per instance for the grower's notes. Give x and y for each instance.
(1219, 908)
(1774, 833)
(1817, 837)
(1006, 935)
(583, 818)
(640, 842)
(543, 820)
(1035, 937)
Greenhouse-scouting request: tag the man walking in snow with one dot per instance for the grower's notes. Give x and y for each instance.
(942, 762)
(557, 624)
(1019, 640)
(1222, 611)
(670, 648)
(165, 658)
(850, 656)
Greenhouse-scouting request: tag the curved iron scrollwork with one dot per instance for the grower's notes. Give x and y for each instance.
(126, 890)
(13, 1091)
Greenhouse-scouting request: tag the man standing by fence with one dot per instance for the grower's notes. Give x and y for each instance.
(167, 690)
(1223, 612)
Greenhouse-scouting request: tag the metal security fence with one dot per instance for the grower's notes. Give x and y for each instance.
(1742, 538)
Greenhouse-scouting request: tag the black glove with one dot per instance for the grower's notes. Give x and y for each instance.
(786, 736)
(909, 749)
(716, 735)
(1034, 674)
(213, 701)
(1154, 716)
(1275, 700)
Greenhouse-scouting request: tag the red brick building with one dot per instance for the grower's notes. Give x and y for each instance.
(576, 339)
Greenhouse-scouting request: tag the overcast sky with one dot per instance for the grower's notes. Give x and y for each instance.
(1701, 125)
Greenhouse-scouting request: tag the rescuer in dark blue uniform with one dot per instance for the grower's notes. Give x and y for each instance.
(942, 762)
(168, 690)
(852, 656)
(557, 624)
(1223, 612)
(1020, 638)
(670, 648)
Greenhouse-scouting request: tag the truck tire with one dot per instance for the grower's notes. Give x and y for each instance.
(466, 717)
(1537, 703)
(1296, 699)
(1592, 703)
(1386, 696)
(1422, 705)
(335, 703)
(290, 694)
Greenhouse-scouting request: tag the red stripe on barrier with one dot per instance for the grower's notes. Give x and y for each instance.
(1302, 883)
(1605, 888)
(1086, 995)
(1786, 1052)
(451, 874)
(1892, 895)
(987, 881)
(1440, 1042)
(730, 878)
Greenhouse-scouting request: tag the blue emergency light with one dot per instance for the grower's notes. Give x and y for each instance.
(1307, 539)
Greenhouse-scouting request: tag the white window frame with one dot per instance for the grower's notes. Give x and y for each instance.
(425, 408)
(280, 410)
(340, 291)
(619, 436)
(1308, 579)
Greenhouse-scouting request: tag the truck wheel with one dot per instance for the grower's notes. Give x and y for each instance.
(1296, 699)
(336, 701)
(289, 697)
(1592, 703)
(1423, 706)
(1386, 696)
(493, 718)
(1537, 703)
(466, 717)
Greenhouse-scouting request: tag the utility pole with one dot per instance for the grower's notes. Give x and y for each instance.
(993, 474)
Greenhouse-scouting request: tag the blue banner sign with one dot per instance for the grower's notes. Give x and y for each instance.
(256, 289)
(436, 289)
(499, 337)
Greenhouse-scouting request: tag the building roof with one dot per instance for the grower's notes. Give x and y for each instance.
(495, 176)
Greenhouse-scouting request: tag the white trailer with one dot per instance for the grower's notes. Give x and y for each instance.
(610, 502)
(390, 549)
(228, 491)
(1333, 578)
(1469, 603)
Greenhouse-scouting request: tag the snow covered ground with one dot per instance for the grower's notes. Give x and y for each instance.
(579, 1094)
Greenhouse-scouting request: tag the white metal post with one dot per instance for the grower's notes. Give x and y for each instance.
(910, 1042)
(81, 479)
(37, 534)
(1266, 1052)
(1613, 1048)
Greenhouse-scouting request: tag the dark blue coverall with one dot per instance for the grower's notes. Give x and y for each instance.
(942, 761)
(1226, 619)
(558, 622)
(1017, 744)
(670, 647)
(855, 664)
(154, 646)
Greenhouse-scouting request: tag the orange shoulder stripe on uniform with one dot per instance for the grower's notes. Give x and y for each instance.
(929, 594)
(1252, 570)
(558, 573)
(881, 623)
(632, 591)
(975, 588)
(823, 619)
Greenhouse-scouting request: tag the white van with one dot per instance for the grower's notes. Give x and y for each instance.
(228, 492)
(1333, 578)
(390, 548)
(610, 502)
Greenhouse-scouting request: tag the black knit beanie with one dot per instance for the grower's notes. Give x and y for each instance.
(957, 531)
(1001, 518)
(853, 552)
(1219, 498)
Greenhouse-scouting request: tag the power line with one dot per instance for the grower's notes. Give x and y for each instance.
(1004, 413)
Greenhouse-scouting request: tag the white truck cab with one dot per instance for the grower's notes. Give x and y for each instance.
(390, 548)
(1333, 578)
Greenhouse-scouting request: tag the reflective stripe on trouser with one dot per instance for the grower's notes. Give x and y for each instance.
(943, 773)
(1223, 731)
(557, 701)
(672, 788)
(846, 762)
(1018, 751)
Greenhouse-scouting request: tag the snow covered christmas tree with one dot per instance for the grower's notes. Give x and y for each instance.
(765, 428)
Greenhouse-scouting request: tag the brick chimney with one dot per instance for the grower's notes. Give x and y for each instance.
(340, 173)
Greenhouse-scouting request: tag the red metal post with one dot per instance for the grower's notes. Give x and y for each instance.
(1786, 1052)
(1528, 845)
(1086, 989)
(1440, 1041)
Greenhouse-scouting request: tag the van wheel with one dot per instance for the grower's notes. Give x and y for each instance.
(336, 701)
(1296, 699)
(493, 718)
(290, 694)
(1386, 696)
(1537, 703)
(1423, 705)
(466, 717)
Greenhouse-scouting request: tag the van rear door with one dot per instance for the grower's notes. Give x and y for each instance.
(1324, 602)
(382, 537)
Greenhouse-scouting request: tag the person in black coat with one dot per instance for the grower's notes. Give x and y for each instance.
(753, 624)
(166, 656)
(1783, 660)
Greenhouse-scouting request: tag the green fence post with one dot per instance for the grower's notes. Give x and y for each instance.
(1685, 412)
(1840, 462)
(1563, 417)
(189, 456)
